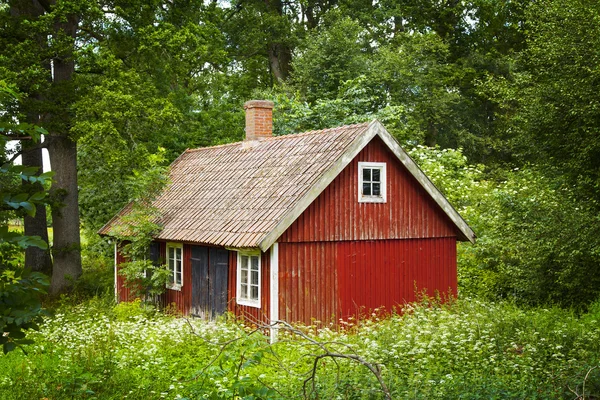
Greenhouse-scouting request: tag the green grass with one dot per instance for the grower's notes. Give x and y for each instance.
(468, 350)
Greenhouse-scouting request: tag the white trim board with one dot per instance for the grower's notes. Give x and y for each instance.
(116, 281)
(274, 287)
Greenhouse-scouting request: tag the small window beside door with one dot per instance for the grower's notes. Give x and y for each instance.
(175, 264)
(248, 279)
(371, 182)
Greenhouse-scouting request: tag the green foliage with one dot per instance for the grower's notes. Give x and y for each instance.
(20, 307)
(20, 289)
(134, 310)
(136, 230)
(467, 349)
(98, 277)
(332, 55)
(550, 100)
(461, 183)
(538, 244)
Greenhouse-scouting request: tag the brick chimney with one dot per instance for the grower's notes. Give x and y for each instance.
(259, 119)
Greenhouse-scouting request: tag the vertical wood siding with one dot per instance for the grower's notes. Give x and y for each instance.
(390, 273)
(251, 314)
(337, 215)
(123, 293)
(308, 284)
(328, 281)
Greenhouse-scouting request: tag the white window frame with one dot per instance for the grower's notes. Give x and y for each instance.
(381, 166)
(176, 262)
(247, 301)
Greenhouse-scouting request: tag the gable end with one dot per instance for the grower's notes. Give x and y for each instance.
(375, 128)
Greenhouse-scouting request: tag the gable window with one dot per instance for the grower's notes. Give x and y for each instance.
(248, 279)
(175, 264)
(371, 182)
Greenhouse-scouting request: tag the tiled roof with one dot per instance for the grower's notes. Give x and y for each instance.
(234, 195)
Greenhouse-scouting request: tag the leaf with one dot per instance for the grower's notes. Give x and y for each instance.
(41, 130)
(17, 335)
(38, 196)
(19, 197)
(28, 171)
(6, 89)
(9, 346)
(29, 207)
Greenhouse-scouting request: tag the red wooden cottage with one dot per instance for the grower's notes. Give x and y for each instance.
(320, 225)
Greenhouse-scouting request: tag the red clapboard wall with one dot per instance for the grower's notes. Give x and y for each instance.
(343, 258)
(337, 215)
(123, 293)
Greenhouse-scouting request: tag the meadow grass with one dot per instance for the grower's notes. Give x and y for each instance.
(468, 349)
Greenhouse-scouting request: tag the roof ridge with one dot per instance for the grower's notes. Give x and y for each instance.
(288, 135)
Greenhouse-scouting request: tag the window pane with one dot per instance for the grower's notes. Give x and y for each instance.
(255, 263)
(243, 291)
(178, 280)
(171, 263)
(254, 292)
(376, 175)
(366, 174)
(244, 276)
(366, 189)
(377, 189)
(254, 278)
(178, 252)
(244, 262)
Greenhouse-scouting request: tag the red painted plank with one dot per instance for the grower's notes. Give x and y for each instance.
(337, 215)
(373, 265)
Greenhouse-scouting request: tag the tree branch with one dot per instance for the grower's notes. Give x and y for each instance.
(43, 145)
(326, 352)
(92, 34)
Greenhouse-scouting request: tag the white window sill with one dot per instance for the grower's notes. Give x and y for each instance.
(174, 287)
(249, 303)
(373, 199)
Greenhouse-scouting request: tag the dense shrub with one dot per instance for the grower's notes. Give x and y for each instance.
(538, 243)
(468, 349)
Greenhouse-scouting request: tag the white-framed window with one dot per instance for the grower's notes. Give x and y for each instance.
(371, 182)
(248, 279)
(175, 263)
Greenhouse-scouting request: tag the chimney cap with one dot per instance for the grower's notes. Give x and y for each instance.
(258, 104)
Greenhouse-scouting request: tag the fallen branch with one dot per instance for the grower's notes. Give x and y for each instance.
(325, 348)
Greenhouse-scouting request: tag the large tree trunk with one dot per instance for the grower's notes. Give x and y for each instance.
(35, 258)
(280, 56)
(66, 248)
(279, 52)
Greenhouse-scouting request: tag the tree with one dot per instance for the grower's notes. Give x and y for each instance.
(552, 97)
(50, 93)
(20, 288)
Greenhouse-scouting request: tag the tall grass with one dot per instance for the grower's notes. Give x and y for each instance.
(468, 350)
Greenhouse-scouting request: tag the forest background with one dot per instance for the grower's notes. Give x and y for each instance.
(497, 100)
